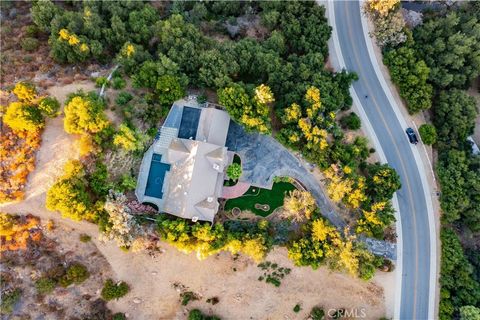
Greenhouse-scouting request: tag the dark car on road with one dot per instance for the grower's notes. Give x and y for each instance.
(412, 137)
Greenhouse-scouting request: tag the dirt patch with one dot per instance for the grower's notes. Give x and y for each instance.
(48, 257)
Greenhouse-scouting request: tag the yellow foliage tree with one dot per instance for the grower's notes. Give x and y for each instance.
(292, 113)
(23, 117)
(84, 114)
(299, 204)
(263, 94)
(321, 230)
(25, 92)
(337, 186)
(86, 145)
(127, 139)
(382, 7)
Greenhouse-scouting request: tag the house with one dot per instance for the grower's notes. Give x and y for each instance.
(183, 171)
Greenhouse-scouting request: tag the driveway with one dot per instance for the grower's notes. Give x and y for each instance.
(264, 158)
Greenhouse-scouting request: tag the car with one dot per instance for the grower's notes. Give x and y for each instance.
(412, 137)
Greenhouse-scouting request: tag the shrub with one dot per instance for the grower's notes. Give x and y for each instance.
(49, 106)
(100, 81)
(123, 98)
(119, 316)
(234, 171)
(113, 290)
(118, 83)
(297, 308)
(196, 314)
(9, 300)
(317, 314)
(187, 297)
(45, 285)
(351, 121)
(76, 274)
(85, 238)
(428, 133)
(127, 183)
(29, 44)
(32, 30)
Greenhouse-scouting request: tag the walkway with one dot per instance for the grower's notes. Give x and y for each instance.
(235, 191)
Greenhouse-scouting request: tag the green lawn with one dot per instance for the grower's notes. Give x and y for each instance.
(274, 198)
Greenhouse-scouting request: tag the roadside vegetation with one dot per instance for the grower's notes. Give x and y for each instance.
(433, 67)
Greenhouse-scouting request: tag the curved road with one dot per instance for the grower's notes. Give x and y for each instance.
(416, 293)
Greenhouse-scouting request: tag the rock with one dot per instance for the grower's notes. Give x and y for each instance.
(154, 273)
(137, 300)
(127, 315)
(13, 13)
(95, 74)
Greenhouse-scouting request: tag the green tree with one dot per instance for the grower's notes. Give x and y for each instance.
(458, 287)
(450, 45)
(382, 181)
(351, 121)
(411, 74)
(454, 118)
(469, 313)
(113, 290)
(128, 139)
(428, 133)
(168, 89)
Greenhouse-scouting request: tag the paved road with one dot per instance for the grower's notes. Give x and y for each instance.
(399, 154)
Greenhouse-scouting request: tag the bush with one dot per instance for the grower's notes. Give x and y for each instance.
(317, 313)
(76, 274)
(123, 98)
(196, 314)
(428, 133)
(113, 290)
(32, 30)
(100, 81)
(118, 83)
(297, 308)
(351, 121)
(119, 316)
(9, 300)
(85, 238)
(29, 44)
(45, 285)
(49, 106)
(234, 171)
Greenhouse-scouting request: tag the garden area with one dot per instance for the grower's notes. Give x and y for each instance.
(260, 201)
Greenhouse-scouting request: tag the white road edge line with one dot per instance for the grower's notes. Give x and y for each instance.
(383, 158)
(426, 187)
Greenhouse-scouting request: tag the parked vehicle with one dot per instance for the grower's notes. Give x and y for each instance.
(412, 137)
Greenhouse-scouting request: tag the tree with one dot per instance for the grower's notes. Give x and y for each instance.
(389, 28)
(459, 177)
(411, 74)
(234, 171)
(25, 92)
(84, 114)
(113, 290)
(382, 181)
(23, 117)
(69, 194)
(455, 114)
(128, 139)
(299, 204)
(43, 13)
(458, 287)
(469, 313)
(428, 133)
(351, 121)
(381, 7)
(450, 45)
(251, 110)
(168, 89)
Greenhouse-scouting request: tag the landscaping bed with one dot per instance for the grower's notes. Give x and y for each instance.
(256, 198)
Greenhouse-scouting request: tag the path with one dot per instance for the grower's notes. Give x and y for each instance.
(231, 192)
